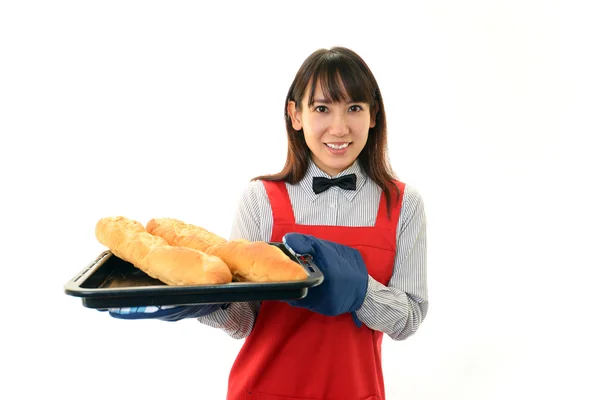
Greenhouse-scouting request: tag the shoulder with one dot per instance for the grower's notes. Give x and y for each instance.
(258, 193)
(411, 195)
(255, 186)
(412, 205)
(253, 203)
(254, 191)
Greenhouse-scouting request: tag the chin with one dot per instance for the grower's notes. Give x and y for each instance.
(329, 163)
(340, 166)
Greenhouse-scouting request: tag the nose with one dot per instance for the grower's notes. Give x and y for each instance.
(339, 126)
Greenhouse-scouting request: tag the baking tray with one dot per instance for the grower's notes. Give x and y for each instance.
(110, 282)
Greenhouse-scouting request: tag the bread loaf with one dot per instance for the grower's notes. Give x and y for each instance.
(178, 233)
(248, 261)
(173, 265)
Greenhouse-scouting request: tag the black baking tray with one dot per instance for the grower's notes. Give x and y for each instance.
(110, 282)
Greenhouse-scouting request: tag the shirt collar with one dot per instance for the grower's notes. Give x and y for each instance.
(313, 171)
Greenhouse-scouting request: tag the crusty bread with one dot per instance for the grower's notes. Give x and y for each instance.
(178, 233)
(248, 261)
(129, 240)
(258, 262)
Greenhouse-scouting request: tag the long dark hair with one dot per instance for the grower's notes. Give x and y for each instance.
(330, 68)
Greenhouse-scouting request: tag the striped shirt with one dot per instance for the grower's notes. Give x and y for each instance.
(397, 309)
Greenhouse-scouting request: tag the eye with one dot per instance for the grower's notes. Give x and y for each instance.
(321, 109)
(355, 108)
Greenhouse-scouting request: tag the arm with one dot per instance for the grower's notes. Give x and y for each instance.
(399, 308)
(237, 319)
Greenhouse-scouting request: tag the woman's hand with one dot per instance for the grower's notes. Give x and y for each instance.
(345, 275)
(164, 313)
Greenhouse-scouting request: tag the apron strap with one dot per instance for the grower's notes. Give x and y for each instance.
(281, 206)
(382, 216)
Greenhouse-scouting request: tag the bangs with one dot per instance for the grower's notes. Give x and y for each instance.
(342, 80)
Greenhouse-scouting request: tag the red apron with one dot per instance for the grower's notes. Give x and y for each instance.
(296, 354)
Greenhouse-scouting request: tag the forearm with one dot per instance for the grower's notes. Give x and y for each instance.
(237, 320)
(391, 311)
(399, 308)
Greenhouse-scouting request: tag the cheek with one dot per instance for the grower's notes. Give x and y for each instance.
(315, 126)
(361, 126)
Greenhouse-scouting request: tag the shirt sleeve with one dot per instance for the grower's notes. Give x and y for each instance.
(237, 319)
(399, 308)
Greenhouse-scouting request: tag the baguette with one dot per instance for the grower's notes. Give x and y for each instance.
(248, 261)
(172, 265)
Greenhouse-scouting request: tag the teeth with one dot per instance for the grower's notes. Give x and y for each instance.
(338, 146)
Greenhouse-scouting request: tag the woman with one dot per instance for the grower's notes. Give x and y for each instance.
(336, 199)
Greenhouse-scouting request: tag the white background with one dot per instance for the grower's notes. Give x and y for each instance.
(149, 109)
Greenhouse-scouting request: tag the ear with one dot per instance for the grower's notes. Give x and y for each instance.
(374, 116)
(294, 115)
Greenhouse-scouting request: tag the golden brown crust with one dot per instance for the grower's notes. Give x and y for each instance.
(184, 266)
(178, 233)
(129, 240)
(248, 261)
(258, 262)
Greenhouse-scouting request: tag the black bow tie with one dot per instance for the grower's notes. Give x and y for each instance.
(347, 182)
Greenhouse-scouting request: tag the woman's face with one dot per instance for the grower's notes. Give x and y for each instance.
(335, 133)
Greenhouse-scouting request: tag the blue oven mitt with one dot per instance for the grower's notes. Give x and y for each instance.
(345, 276)
(164, 313)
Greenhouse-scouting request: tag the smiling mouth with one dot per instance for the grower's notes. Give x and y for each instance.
(337, 146)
